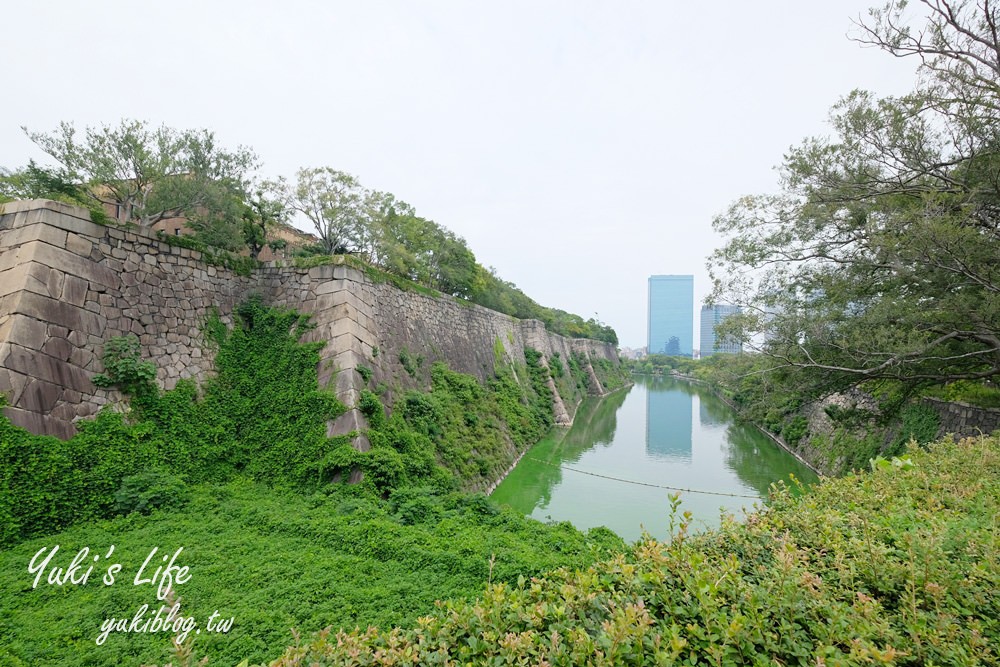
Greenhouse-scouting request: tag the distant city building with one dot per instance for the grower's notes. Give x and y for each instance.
(671, 315)
(711, 315)
(632, 352)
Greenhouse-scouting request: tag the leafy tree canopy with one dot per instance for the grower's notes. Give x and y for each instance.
(152, 173)
(878, 258)
(37, 182)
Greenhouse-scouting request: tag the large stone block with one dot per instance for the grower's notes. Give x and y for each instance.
(340, 304)
(79, 245)
(54, 281)
(58, 348)
(26, 331)
(347, 326)
(62, 216)
(40, 424)
(75, 290)
(348, 349)
(24, 277)
(20, 235)
(40, 396)
(37, 365)
(330, 286)
(11, 257)
(11, 382)
(68, 262)
(58, 312)
(321, 273)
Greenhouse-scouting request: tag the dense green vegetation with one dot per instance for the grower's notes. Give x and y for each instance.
(463, 432)
(261, 416)
(877, 260)
(773, 400)
(659, 364)
(460, 433)
(241, 474)
(275, 560)
(979, 394)
(894, 567)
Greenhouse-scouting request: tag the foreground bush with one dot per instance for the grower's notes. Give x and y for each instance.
(274, 560)
(896, 567)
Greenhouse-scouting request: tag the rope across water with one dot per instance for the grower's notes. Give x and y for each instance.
(632, 481)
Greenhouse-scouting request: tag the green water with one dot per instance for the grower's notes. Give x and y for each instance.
(662, 432)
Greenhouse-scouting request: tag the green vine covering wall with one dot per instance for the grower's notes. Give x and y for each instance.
(462, 433)
(262, 416)
(240, 473)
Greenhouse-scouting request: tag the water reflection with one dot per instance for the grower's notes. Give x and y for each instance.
(541, 471)
(611, 468)
(754, 459)
(668, 423)
(713, 412)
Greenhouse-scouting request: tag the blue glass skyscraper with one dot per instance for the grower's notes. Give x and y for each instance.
(671, 315)
(711, 315)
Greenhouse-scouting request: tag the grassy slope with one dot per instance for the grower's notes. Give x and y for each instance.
(315, 554)
(275, 561)
(894, 567)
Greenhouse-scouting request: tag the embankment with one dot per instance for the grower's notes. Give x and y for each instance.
(68, 285)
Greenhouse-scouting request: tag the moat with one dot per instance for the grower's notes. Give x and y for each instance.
(612, 466)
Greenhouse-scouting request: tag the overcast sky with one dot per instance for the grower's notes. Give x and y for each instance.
(578, 146)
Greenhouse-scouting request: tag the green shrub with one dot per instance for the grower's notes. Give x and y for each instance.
(149, 490)
(262, 415)
(371, 407)
(795, 430)
(339, 557)
(919, 424)
(966, 391)
(555, 365)
(415, 505)
(124, 369)
(408, 362)
(47, 484)
(893, 567)
(365, 372)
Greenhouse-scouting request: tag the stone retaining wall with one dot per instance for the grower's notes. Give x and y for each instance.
(963, 419)
(67, 285)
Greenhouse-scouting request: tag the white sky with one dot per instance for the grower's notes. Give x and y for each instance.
(578, 146)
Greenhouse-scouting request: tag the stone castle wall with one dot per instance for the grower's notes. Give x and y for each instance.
(963, 419)
(67, 285)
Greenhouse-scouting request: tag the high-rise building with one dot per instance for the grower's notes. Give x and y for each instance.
(711, 315)
(671, 315)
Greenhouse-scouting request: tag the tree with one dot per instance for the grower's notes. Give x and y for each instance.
(452, 265)
(36, 182)
(332, 201)
(151, 174)
(261, 214)
(879, 257)
(377, 234)
(398, 238)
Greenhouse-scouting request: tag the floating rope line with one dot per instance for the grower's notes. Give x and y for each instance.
(632, 481)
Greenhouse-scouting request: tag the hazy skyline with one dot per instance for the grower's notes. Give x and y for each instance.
(579, 147)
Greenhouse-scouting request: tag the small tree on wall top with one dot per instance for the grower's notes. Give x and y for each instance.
(152, 173)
